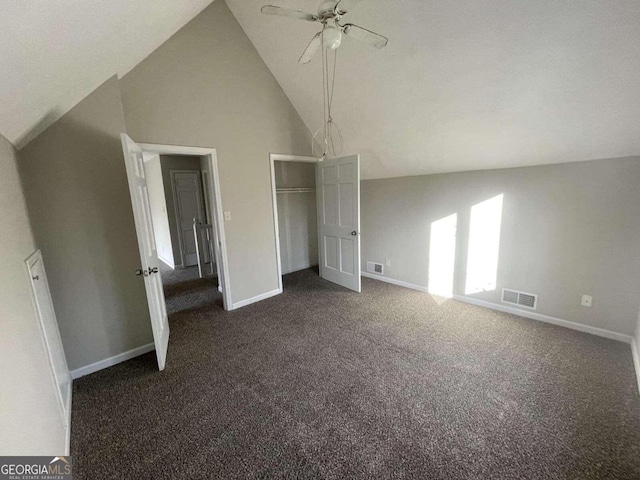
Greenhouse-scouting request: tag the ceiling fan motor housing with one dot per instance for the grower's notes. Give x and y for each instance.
(327, 9)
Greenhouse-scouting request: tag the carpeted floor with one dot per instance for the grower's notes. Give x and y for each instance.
(320, 382)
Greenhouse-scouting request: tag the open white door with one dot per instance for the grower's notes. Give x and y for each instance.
(51, 335)
(147, 245)
(338, 192)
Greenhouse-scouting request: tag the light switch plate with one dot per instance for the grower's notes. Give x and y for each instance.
(227, 216)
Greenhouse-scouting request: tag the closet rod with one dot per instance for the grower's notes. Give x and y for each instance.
(295, 190)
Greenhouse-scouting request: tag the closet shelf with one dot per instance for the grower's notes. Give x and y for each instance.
(296, 190)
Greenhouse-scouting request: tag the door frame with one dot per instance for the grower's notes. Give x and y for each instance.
(277, 157)
(205, 207)
(214, 194)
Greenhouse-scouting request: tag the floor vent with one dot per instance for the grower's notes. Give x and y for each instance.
(374, 267)
(527, 300)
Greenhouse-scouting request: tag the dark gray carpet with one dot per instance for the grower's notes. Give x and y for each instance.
(185, 290)
(320, 382)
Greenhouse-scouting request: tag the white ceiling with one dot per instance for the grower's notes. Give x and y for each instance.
(53, 53)
(467, 85)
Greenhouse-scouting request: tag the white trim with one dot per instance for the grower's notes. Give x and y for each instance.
(547, 319)
(277, 157)
(32, 260)
(212, 159)
(176, 149)
(67, 446)
(111, 361)
(400, 283)
(636, 359)
(166, 262)
(257, 298)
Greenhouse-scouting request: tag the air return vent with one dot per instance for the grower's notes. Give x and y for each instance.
(374, 267)
(527, 300)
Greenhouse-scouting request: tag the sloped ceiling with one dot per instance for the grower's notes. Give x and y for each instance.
(54, 53)
(467, 85)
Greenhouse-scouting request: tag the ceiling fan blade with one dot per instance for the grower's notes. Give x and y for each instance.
(345, 6)
(364, 35)
(287, 12)
(311, 49)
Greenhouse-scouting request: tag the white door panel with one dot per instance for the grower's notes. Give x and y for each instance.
(187, 193)
(147, 247)
(51, 334)
(338, 187)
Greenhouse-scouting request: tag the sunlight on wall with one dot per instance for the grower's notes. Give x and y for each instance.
(484, 245)
(442, 256)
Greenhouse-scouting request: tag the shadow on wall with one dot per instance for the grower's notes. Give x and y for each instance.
(482, 250)
(45, 122)
(78, 201)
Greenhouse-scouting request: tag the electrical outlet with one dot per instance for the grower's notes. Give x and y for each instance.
(587, 301)
(227, 216)
(387, 262)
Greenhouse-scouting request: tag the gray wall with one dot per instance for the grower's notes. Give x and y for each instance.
(78, 200)
(175, 162)
(30, 417)
(567, 230)
(207, 86)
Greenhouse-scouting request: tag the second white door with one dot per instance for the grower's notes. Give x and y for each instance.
(187, 195)
(338, 193)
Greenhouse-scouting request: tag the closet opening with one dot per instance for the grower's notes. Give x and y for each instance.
(293, 180)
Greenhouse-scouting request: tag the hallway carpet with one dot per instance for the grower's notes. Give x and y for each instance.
(321, 382)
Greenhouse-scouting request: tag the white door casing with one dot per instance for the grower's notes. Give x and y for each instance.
(338, 193)
(188, 204)
(209, 164)
(147, 246)
(43, 304)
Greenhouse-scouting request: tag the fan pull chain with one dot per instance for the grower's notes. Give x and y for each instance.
(332, 136)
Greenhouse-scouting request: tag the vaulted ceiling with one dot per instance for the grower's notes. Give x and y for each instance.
(54, 53)
(468, 84)
(462, 85)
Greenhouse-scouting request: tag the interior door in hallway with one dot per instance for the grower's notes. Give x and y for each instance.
(338, 192)
(147, 246)
(187, 194)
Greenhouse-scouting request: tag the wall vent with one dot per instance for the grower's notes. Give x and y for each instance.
(527, 300)
(374, 267)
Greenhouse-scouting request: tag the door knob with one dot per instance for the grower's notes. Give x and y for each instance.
(354, 233)
(36, 277)
(153, 270)
(139, 272)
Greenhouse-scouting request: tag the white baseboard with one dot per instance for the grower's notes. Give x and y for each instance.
(111, 361)
(257, 298)
(601, 332)
(166, 262)
(636, 359)
(400, 283)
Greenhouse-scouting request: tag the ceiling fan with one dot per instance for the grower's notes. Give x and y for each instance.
(329, 14)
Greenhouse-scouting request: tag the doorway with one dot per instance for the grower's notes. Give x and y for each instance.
(316, 211)
(136, 155)
(184, 193)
